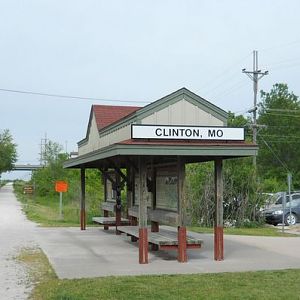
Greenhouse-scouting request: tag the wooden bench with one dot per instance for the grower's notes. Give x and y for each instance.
(106, 220)
(109, 221)
(165, 239)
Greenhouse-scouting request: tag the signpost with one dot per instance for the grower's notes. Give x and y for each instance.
(61, 187)
(283, 209)
(28, 189)
(290, 196)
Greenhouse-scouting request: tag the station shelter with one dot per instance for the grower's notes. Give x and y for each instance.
(145, 151)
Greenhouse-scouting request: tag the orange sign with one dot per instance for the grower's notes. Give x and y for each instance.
(61, 186)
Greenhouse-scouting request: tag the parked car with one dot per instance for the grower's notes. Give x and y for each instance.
(294, 195)
(275, 199)
(274, 214)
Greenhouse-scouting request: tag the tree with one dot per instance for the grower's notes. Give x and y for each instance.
(45, 178)
(279, 142)
(241, 190)
(8, 151)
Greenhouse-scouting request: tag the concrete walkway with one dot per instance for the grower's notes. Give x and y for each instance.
(16, 233)
(91, 253)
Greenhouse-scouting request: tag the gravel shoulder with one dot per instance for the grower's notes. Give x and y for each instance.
(16, 233)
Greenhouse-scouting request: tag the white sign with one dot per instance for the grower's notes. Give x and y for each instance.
(187, 133)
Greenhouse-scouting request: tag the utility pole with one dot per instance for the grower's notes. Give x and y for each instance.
(43, 150)
(255, 75)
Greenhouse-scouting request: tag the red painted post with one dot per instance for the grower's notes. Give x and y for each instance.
(219, 243)
(143, 231)
(182, 256)
(143, 246)
(218, 227)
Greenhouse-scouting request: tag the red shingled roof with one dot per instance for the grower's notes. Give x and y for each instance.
(108, 114)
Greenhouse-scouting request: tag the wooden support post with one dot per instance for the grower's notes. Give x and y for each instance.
(218, 228)
(105, 212)
(154, 228)
(182, 256)
(118, 203)
(129, 189)
(82, 200)
(143, 233)
(182, 206)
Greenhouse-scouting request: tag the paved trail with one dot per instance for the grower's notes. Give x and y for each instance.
(16, 232)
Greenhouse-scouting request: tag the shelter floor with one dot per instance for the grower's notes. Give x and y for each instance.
(95, 253)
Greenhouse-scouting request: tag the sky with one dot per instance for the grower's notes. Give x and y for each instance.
(136, 51)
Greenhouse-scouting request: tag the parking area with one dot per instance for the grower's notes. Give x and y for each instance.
(94, 252)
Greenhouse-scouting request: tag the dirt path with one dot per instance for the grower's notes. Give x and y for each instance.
(16, 233)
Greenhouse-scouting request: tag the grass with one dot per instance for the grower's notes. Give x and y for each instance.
(244, 285)
(253, 231)
(45, 212)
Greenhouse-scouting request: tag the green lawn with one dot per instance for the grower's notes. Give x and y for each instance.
(256, 231)
(45, 211)
(244, 285)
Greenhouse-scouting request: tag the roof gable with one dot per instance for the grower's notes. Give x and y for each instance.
(172, 98)
(188, 96)
(108, 114)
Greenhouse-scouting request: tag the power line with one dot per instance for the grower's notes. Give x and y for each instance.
(275, 155)
(283, 110)
(224, 72)
(68, 96)
(281, 45)
(282, 115)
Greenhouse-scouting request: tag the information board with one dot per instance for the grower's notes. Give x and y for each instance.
(167, 188)
(110, 192)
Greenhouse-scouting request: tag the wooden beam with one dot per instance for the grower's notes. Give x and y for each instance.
(132, 164)
(143, 234)
(129, 189)
(82, 200)
(106, 174)
(118, 202)
(218, 228)
(182, 199)
(105, 212)
(182, 207)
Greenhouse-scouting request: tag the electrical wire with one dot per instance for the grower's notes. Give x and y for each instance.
(68, 97)
(275, 155)
(281, 45)
(221, 74)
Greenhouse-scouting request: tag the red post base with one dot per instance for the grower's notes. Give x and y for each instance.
(219, 243)
(143, 246)
(182, 256)
(82, 219)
